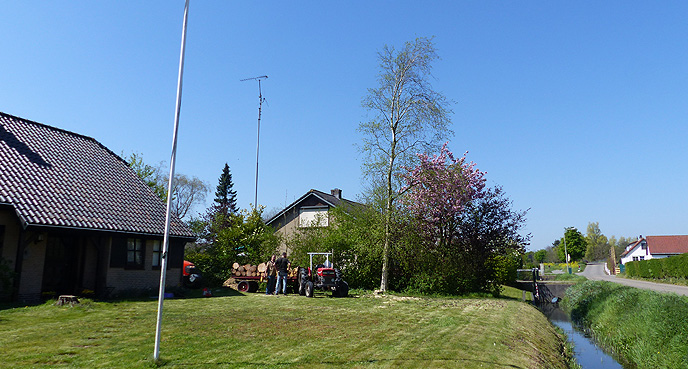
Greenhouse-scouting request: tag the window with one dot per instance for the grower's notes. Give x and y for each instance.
(313, 217)
(642, 258)
(635, 258)
(157, 253)
(135, 253)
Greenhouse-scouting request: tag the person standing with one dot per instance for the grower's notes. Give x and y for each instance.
(283, 265)
(271, 272)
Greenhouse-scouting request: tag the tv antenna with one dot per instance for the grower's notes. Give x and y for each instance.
(260, 108)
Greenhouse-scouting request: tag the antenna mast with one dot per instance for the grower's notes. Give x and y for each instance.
(260, 108)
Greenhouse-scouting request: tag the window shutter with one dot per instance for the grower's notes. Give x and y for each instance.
(176, 253)
(118, 252)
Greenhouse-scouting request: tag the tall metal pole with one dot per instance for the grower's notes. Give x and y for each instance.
(566, 254)
(166, 239)
(260, 108)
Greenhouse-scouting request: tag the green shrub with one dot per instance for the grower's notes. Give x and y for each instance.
(665, 268)
(655, 269)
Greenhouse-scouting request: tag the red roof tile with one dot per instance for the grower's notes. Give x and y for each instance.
(667, 244)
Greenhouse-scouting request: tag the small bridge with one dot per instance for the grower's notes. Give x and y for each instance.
(542, 290)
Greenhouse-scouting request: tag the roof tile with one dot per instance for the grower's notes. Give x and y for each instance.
(52, 176)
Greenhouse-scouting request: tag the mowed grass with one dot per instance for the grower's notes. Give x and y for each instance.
(259, 331)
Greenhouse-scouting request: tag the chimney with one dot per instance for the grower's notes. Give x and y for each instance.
(336, 193)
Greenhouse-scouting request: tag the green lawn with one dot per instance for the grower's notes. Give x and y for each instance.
(259, 331)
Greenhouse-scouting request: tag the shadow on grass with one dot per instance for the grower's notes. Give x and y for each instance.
(14, 305)
(420, 362)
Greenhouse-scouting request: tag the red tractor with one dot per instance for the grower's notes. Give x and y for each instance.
(323, 277)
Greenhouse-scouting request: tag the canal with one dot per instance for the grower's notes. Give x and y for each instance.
(587, 353)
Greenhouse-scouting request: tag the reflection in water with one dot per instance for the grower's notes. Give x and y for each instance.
(588, 355)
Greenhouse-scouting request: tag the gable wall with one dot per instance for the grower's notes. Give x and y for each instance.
(288, 223)
(636, 252)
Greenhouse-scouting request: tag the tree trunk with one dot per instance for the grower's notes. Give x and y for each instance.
(388, 216)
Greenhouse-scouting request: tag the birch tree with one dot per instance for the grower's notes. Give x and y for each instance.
(408, 117)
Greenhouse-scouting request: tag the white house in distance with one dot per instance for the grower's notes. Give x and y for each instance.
(655, 247)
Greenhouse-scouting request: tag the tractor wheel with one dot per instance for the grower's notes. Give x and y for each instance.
(243, 286)
(309, 289)
(252, 286)
(342, 290)
(303, 278)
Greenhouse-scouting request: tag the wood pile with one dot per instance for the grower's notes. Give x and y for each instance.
(248, 270)
(259, 270)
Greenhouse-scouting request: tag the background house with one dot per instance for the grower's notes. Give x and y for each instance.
(655, 247)
(75, 218)
(310, 210)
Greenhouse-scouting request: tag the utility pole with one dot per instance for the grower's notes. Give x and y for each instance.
(566, 254)
(260, 108)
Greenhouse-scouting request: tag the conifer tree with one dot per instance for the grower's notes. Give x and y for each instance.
(225, 196)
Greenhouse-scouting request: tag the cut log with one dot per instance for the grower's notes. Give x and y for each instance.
(241, 268)
(235, 266)
(262, 267)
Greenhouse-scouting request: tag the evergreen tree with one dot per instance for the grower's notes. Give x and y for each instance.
(225, 196)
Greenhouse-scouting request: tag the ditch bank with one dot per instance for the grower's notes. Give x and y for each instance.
(644, 329)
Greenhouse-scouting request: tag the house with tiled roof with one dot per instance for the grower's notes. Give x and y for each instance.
(310, 210)
(655, 247)
(75, 218)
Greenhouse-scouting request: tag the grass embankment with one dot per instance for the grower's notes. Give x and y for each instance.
(646, 328)
(256, 330)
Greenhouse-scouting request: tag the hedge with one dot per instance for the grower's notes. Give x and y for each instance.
(671, 267)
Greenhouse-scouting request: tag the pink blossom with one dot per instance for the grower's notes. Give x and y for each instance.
(438, 189)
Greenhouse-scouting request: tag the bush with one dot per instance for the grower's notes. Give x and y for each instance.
(665, 268)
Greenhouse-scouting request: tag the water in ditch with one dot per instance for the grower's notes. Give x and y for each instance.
(587, 353)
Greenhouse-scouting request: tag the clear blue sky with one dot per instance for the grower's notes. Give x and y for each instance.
(578, 109)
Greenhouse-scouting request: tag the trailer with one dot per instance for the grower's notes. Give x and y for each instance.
(249, 277)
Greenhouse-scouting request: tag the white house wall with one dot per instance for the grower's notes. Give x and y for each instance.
(637, 252)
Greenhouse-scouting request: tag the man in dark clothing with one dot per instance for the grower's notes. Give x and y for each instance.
(282, 265)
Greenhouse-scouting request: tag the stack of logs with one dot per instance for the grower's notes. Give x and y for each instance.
(259, 270)
(249, 270)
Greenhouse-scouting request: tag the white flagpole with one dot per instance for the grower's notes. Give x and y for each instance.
(166, 240)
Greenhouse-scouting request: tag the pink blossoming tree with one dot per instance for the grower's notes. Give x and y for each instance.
(439, 189)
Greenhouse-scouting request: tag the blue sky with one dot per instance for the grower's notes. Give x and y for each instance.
(577, 109)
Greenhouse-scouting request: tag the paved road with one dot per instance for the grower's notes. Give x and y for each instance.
(596, 272)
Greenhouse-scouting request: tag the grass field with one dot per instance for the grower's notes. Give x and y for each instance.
(259, 331)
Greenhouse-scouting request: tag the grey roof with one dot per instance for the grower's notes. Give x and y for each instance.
(327, 198)
(58, 178)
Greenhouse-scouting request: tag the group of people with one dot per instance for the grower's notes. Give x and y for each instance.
(277, 271)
